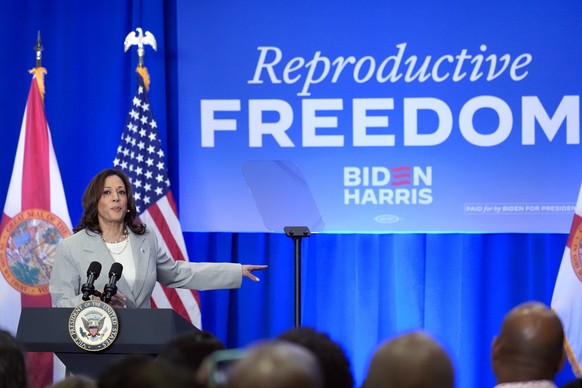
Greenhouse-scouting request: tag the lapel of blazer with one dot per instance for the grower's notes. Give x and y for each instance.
(141, 254)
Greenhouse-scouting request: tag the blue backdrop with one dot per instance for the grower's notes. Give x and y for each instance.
(360, 288)
(397, 116)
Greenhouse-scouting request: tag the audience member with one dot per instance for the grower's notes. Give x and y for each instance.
(143, 372)
(216, 368)
(333, 362)
(188, 351)
(12, 362)
(75, 382)
(276, 364)
(529, 349)
(411, 360)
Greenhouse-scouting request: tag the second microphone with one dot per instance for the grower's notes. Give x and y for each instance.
(111, 287)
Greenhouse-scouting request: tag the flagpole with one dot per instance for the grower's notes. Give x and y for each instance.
(38, 48)
(38, 71)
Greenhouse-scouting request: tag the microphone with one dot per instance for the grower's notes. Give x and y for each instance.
(110, 288)
(93, 273)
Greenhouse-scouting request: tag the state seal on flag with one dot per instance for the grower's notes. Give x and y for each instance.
(575, 240)
(27, 249)
(93, 325)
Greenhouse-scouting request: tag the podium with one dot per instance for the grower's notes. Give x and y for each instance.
(141, 332)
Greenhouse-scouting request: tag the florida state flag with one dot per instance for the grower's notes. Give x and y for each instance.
(567, 298)
(34, 221)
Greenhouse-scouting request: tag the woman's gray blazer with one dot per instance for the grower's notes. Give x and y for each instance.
(75, 253)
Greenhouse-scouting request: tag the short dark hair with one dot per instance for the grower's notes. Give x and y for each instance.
(332, 359)
(139, 371)
(12, 362)
(189, 349)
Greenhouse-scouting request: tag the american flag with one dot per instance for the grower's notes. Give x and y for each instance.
(141, 157)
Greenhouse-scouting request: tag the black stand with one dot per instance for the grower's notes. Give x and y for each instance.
(297, 233)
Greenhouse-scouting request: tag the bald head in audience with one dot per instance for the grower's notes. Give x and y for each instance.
(276, 364)
(411, 360)
(529, 346)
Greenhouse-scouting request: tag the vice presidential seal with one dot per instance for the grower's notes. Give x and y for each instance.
(27, 249)
(93, 325)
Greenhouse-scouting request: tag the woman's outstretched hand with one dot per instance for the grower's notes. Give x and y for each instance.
(248, 268)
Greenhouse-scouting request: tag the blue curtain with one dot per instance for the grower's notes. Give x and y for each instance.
(360, 288)
(365, 288)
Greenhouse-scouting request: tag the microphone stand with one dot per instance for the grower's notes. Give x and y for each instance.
(92, 292)
(297, 233)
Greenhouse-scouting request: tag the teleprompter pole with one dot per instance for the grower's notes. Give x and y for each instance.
(297, 233)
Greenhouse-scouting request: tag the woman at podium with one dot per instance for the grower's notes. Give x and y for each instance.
(108, 233)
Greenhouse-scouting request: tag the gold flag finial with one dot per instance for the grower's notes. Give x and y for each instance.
(38, 48)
